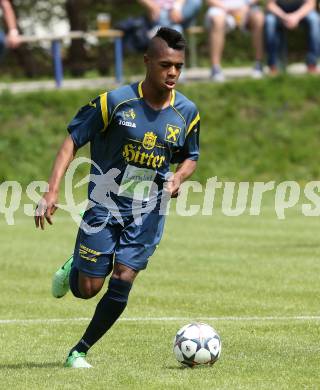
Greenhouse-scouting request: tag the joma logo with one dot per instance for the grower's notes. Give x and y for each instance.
(127, 123)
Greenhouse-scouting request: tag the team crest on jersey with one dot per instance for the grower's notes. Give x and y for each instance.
(172, 133)
(128, 114)
(149, 140)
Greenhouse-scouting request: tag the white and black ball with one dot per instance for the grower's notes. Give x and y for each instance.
(196, 344)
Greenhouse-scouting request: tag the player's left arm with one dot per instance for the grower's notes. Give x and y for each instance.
(187, 157)
(183, 172)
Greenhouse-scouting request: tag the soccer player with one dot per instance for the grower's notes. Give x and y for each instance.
(135, 132)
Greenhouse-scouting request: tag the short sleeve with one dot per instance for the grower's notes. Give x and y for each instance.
(190, 149)
(90, 120)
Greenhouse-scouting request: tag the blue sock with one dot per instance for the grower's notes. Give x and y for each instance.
(108, 310)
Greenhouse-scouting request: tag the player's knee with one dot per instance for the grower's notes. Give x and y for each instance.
(123, 272)
(83, 286)
(270, 22)
(89, 287)
(218, 22)
(85, 294)
(118, 289)
(257, 20)
(88, 290)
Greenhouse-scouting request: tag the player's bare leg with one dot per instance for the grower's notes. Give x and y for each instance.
(88, 286)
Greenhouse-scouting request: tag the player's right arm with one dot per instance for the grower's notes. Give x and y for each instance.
(90, 120)
(47, 205)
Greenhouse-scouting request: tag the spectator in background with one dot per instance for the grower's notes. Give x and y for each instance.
(225, 15)
(12, 39)
(177, 14)
(290, 14)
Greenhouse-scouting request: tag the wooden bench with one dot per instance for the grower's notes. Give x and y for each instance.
(56, 40)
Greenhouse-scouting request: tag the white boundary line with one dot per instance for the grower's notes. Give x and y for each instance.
(161, 319)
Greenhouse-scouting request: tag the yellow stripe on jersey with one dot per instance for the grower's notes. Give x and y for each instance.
(140, 90)
(104, 109)
(193, 123)
(173, 96)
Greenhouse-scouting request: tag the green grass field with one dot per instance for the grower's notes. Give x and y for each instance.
(255, 279)
(249, 277)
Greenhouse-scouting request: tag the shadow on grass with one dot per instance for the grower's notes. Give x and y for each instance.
(176, 368)
(179, 368)
(26, 365)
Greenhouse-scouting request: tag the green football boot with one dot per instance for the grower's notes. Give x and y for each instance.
(77, 360)
(60, 280)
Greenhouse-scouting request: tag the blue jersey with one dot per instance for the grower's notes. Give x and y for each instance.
(138, 142)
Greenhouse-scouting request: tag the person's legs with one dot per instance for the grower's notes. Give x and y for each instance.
(88, 250)
(256, 24)
(217, 19)
(312, 23)
(217, 39)
(60, 281)
(133, 245)
(93, 255)
(92, 262)
(190, 12)
(108, 310)
(164, 19)
(272, 31)
(84, 286)
(110, 306)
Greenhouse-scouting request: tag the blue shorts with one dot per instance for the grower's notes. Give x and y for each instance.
(131, 244)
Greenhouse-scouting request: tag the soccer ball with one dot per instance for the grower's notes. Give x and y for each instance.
(196, 344)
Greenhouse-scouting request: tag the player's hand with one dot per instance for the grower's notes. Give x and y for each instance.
(13, 39)
(291, 21)
(173, 185)
(45, 209)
